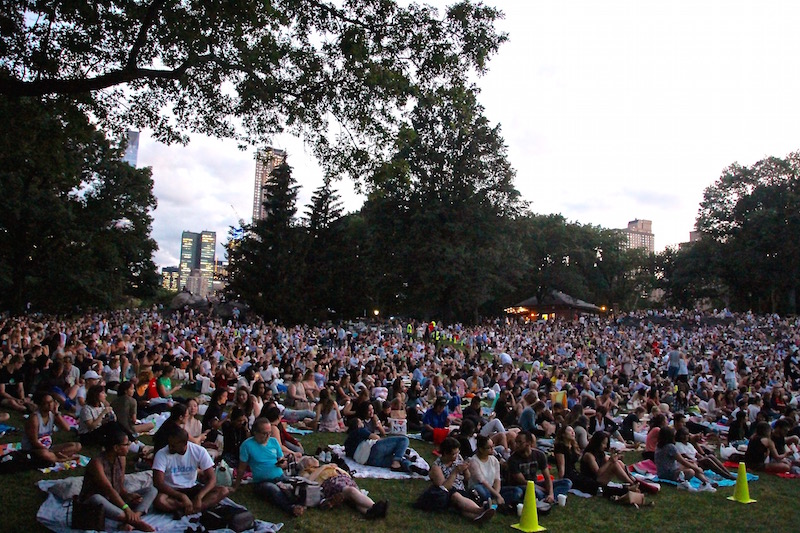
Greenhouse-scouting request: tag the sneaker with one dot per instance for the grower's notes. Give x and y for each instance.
(485, 516)
(685, 485)
(419, 470)
(706, 487)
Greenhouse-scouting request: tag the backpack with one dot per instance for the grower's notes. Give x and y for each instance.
(20, 461)
(227, 516)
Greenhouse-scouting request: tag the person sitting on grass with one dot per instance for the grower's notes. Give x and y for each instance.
(234, 433)
(37, 437)
(484, 469)
(97, 418)
(339, 487)
(602, 466)
(657, 422)
(525, 464)
(263, 455)
(12, 390)
(692, 453)
(672, 466)
(451, 473)
(104, 484)
(435, 418)
(567, 454)
(175, 476)
(328, 418)
(761, 453)
(126, 410)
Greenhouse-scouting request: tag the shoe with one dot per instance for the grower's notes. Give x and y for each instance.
(419, 470)
(484, 517)
(377, 511)
(685, 485)
(706, 487)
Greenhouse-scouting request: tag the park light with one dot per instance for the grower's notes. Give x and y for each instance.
(376, 312)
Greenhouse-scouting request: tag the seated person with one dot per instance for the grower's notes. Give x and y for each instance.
(37, 437)
(673, 466)
(178, 414)
(263, 455)
(436, 417)
(175, 476)
(657, 422)
(602, 466)
(524, 465)
(126, 410)
(692, 453)
(451, 473)
(289, 444)
(761, 453)
(567, 453)
(339, 487)
(104, 484)
(328, 418)
(484, 469)
(234, 433)
(97, 418)
(631, 429)
(12, 390)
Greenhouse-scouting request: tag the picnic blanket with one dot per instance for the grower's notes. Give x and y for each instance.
(81, 461)
(10, 447)
(712, 476)
(376, 472)
(5, 428)
(296, 431)
(54, 513)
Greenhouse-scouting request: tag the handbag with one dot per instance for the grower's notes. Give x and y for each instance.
(433, 499)
(304, 492)
(88, 516)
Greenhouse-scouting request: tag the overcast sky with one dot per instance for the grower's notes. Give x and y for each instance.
(611, 111)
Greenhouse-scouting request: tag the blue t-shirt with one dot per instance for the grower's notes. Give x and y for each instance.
(527, 419)
(262, 458)
(434, 420)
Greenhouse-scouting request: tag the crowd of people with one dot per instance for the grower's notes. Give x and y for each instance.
(501, 401)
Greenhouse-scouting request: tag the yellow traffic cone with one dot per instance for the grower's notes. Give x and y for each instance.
(741, 493)
(529, 521)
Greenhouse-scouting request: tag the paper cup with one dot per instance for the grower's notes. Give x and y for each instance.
(519, 509)
(562, 500)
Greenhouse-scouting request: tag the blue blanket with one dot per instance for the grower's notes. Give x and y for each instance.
(712, 476)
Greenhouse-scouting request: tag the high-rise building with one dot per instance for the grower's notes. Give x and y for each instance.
(639, 234)
(170, 278)
(267, 160)
(132, 150)
(197, 253)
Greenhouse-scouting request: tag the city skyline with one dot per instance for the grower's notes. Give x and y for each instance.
(611, 111)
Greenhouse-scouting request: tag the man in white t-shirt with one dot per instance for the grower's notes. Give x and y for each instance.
(730, 373)
(175, 476)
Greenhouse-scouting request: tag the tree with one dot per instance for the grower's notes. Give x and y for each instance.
(751, 216)
(74, 219)
(266, 267)
(246, 69)
(446, 197)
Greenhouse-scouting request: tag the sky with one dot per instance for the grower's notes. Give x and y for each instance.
(611, 111)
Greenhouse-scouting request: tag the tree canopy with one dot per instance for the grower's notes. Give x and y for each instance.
(246, 69)
(74, 218)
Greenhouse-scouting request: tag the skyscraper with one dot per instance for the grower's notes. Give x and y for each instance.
(197, 253)
(267, 159)
(170, 278)
(132, 150)
(639, 234)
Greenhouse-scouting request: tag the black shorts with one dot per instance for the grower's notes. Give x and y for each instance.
(192, 492)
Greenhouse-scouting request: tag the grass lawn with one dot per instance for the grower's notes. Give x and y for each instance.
(777, 509)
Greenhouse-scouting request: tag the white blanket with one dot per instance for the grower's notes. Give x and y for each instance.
(54, 514)
(375, 472)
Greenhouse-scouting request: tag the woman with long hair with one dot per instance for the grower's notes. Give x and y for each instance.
(328, 418)
(600, 465)
(567, 453)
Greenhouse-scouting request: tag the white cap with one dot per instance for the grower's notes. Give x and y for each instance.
(91, 374)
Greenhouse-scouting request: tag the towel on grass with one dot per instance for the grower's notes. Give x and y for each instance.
(55, 515)
(81, 461)
(712, 476)
(376, 472)
(296, 431)
(10, 447)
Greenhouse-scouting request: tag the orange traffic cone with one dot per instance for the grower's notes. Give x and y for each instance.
(529, 521)
(741, 493)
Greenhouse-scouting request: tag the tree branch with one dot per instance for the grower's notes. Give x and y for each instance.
(149, 19)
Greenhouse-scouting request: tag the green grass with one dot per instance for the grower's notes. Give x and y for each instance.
(777, 508)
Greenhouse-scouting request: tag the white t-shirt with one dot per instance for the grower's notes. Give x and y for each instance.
(482, 472)
(180, 471)
(730, 370)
